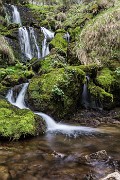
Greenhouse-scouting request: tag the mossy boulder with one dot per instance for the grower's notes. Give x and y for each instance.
(52, 61)
(106, 79)
(99, 97)
(15, 123)
(57, 92)
(60, 44)
(99, 40)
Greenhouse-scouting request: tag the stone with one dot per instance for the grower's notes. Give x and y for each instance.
(112, 176)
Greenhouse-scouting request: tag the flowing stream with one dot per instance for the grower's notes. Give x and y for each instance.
(52, 126)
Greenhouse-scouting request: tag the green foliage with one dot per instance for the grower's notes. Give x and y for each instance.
(13, 74)
(57, 91)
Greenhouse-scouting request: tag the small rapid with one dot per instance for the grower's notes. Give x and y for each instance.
(52, 126)
(20, 102)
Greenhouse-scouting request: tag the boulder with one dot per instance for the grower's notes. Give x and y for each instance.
(15, 122)
(56, 92)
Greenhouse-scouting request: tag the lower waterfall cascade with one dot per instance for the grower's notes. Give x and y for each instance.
(52, 126)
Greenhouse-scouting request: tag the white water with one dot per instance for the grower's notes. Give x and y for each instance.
(25, 42)
(48, 35)
(16, 15)
(34, 43)
(20, 102)
(52, 126)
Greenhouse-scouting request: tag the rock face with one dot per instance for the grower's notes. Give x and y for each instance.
(114, 176)
(56, 92)
(15, 123)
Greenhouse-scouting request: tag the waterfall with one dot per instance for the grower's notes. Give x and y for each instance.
(52, 126)
(35, 47)
(16, 15)
(48, 35)
(25, 42)
(85, 94)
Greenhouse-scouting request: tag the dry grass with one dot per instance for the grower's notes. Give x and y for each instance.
(6, 52)
(100, 39)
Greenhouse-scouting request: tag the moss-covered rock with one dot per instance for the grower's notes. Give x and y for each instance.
(15, 123)
(106, 79)
(99, 40)
(52, 61)
(59, 43)
(56, 92)
(99, 97)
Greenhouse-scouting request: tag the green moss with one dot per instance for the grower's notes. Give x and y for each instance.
(44, 16)
(56, 92)
(99, 94)
(15, 122)
(59, 43)
(51, 62)
(12, 75)
(106, 79)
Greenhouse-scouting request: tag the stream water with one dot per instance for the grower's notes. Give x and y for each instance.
(57, 156)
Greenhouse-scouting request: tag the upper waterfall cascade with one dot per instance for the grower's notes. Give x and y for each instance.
(52, 126)
(28, 39)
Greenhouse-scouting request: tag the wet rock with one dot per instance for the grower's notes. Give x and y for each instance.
(112, 176)
(52, 93)
(4, 174)
(99, 156)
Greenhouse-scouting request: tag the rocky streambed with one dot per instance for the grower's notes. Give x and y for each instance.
(56, 156)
